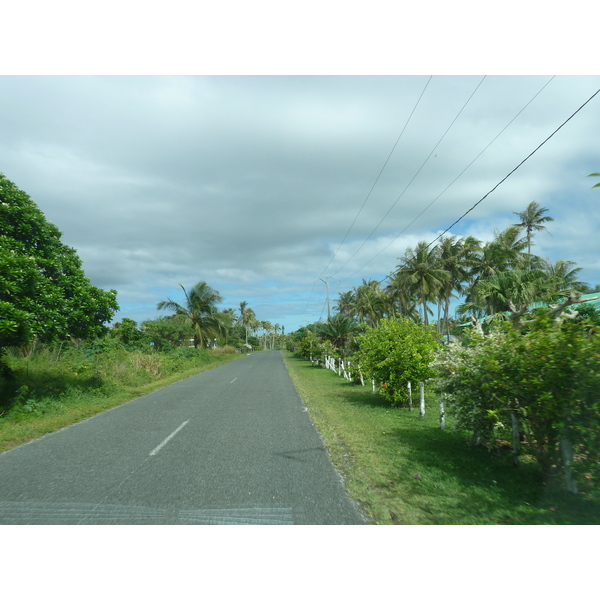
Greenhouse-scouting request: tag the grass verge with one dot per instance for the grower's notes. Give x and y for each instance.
(404, 469)
(55, 395)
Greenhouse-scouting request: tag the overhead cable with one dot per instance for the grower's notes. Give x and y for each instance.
(378, 176)
(454, 180)
(507, 176)
(413, 178)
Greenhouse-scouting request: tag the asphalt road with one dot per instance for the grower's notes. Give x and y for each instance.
(233, 445)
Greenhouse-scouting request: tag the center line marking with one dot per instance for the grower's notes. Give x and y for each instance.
(155, 451)
(232, 380)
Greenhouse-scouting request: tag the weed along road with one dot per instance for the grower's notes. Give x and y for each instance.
(233, 445)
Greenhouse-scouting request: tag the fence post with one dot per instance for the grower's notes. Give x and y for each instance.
(422, 393)
(409, 396)
(442, 414)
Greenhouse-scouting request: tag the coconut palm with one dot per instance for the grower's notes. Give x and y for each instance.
(201, 311)
(532, 219)
(421, 273)
(512, 292)
(246, 318)
(565, 275)
(346, 303)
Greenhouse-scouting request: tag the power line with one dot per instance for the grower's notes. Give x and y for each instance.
(454, 180)
(410, 182)
(509, 174)
(378, 176)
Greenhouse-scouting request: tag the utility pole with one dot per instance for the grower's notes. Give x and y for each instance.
(328, 307)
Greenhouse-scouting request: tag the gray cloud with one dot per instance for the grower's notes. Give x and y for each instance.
(251, 183)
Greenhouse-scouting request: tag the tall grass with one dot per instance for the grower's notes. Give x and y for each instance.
(60, 385)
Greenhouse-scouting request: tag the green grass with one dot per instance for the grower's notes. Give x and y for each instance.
(404, 469)
(50, 391)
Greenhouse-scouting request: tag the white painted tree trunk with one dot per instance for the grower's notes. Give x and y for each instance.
(515, 437)
(362, 379)
(422, 394)
(566, 450)
(409, 396)
(373, 384)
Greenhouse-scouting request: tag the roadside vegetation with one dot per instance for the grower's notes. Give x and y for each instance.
(512, 427)
(61, 361)
(405, 470)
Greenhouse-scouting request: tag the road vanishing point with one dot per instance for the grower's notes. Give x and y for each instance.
(232, 446)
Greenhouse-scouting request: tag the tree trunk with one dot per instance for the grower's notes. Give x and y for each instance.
(515, 437)
(566, 451)
(422, 394)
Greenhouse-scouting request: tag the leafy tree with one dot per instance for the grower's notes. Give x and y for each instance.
(397, 352)
(44, 293)
(167, 332)
(547, 375)
(200, 311)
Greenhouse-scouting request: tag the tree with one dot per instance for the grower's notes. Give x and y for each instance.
(340, 330)
(532, 219)
(201, 311)
(544, 379)
(246, 318)
(44, 293)
(396, 353)
(421, 272)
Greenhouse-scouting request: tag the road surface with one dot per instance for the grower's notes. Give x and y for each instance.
(233, 445)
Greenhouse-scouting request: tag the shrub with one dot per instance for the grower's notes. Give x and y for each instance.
(397, 352)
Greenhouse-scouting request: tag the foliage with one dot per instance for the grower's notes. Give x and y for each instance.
(595, 175)
(340, 330)
(547, 374)
(44, 293)
(397, 352)
(200, 311)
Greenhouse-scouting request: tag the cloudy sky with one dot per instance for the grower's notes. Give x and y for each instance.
(267, 187)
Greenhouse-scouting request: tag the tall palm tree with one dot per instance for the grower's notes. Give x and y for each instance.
(370, 303)
(451, 256)
(532, 219)
(421, 272)
(200, 310)
(346, 303)
(246, 318)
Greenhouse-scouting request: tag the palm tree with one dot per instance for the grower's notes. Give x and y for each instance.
(200, 310)
(532, 219)
(247, 317)
(401, 300)
(451, 257)
(371, 303)
(564, 274)
(421, 272)
(339, 330)
(346, 303)
(511, 292)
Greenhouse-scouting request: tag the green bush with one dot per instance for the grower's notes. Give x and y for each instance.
(546, 375)
(397, 352)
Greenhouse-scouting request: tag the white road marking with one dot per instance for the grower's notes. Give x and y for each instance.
(232, 380)
(155, 451)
